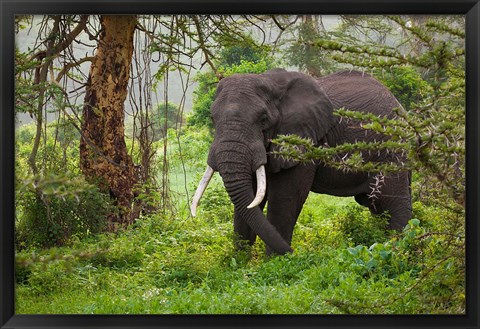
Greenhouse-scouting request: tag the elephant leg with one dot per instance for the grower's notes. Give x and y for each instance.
(396, 199)
(363, 200)
(287, 192)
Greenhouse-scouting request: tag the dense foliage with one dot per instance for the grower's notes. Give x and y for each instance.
(54, 207)
(177, 264)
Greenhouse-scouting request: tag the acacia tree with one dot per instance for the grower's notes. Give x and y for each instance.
(52, 72)
(432, 130)
(103, 152)
(302, 52)
(429, 54)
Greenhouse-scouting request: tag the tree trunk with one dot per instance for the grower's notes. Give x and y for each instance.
(103, 154)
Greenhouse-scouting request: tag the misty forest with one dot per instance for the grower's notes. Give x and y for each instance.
(112, 135)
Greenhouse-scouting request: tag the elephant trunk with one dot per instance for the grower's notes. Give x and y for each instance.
(236, 172)
(241, 194)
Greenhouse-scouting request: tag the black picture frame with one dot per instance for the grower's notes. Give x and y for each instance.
(10, 8)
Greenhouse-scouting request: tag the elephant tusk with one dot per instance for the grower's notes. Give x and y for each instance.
(200, 189)
(261, 187)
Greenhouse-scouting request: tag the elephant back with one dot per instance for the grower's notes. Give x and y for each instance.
(359, 91)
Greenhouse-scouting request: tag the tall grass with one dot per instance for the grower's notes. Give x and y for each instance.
(184, 265)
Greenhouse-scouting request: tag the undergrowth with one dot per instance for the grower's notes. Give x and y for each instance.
(176, 264)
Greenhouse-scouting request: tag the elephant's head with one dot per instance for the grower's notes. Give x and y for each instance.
(249, 110)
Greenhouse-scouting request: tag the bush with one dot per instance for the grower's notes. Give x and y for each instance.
(169, 264)
(45, 282)
(360, 226)
(406, 83)
(237, 52)
(51, 210)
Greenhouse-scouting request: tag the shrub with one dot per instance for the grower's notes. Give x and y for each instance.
(53, 209)
(43, 282)
(406, 83)
(360, 226)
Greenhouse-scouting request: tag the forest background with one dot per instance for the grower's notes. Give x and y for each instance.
(118, 237)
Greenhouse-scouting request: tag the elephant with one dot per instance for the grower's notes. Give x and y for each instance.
(249, 110)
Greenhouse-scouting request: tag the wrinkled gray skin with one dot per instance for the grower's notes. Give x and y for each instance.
(249, 110)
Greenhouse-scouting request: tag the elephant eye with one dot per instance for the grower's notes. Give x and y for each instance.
(263, 121)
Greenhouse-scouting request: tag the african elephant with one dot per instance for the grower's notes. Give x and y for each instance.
(250, 110)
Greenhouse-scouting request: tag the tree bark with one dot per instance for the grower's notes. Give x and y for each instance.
(103, 152)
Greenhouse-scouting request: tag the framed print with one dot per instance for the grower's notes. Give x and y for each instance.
(240, 164)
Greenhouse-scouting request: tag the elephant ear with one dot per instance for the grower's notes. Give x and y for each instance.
(305, 110)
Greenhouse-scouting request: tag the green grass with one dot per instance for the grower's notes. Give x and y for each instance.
(184, 265)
